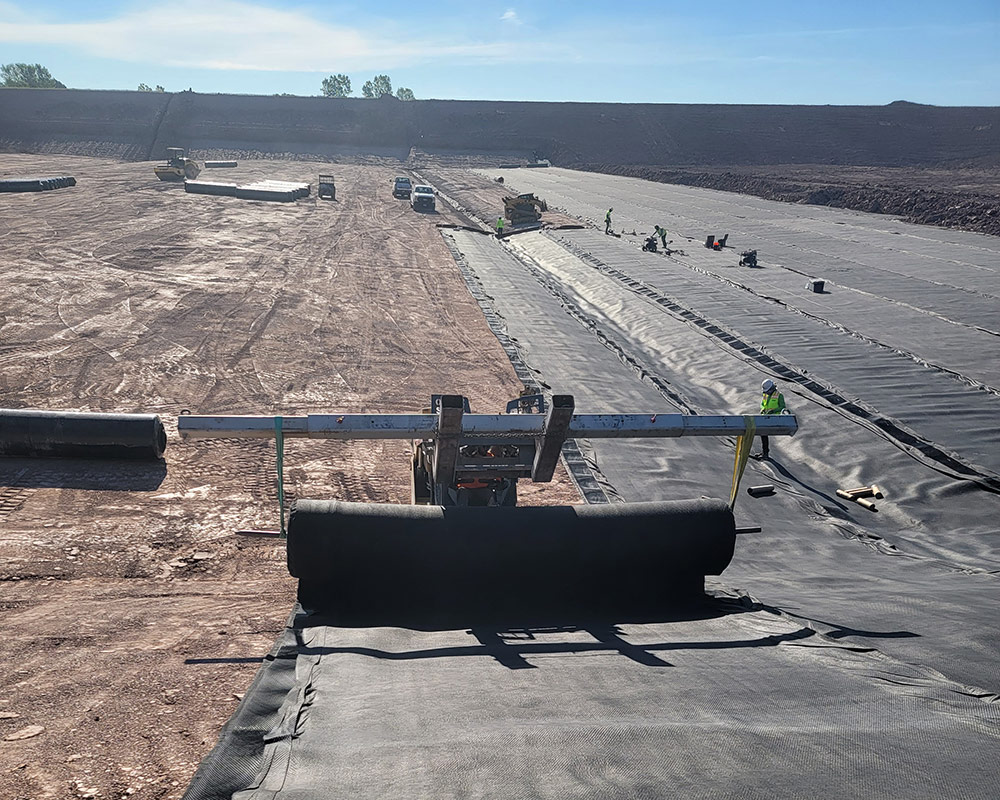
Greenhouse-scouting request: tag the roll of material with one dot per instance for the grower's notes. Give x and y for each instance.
(68, 434)
(36, 184)
(220, 164)
(271, 195)
(278, 191)
(210, 187)
(389, 564)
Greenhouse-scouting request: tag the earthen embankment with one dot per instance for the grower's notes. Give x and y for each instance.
(138, 125)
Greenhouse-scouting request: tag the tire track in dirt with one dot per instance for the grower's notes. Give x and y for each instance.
(262, 308)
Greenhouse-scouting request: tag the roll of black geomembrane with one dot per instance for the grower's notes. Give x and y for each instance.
(385, 564)
(220, 164)
(60, 434)
(209, 187)
(36, 184)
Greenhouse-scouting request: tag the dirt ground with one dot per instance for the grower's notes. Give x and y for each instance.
(133, 617)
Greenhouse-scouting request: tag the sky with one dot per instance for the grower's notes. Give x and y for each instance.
(840, 52)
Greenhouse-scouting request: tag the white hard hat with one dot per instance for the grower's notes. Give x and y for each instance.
(767, 386)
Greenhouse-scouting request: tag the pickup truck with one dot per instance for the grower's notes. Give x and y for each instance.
(422, 198)
(401, 188)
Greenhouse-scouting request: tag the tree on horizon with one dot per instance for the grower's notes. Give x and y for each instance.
(28, 76)
(338, 85)
(377, 86)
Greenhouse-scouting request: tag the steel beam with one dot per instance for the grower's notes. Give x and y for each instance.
(481, 427)
(557, 423)
(446, 440)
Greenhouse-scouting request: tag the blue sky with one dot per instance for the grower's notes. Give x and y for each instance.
(765, 51)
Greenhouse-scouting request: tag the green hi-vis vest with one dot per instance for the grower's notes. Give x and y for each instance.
(772, 403)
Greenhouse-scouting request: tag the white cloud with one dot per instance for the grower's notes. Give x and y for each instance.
(248, 35)
(242, 35)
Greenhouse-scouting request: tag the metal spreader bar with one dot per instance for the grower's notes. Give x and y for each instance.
(511, 428)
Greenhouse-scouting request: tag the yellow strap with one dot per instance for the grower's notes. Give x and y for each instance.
(743, 444)
(279, 446)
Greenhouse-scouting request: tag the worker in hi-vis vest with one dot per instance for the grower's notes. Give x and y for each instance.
(607, 221)
(499, 226)
(771, 402)
(662, 233)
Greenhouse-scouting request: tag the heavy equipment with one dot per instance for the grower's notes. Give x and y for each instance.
(524, 209)
(455, 549)
(178, 166)
(389, 588)
(465, 459)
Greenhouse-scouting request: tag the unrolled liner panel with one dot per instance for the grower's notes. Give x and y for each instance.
(433, 566)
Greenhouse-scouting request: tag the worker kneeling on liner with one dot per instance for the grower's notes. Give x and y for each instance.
(771, 402)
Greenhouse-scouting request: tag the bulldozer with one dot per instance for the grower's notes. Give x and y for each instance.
(178, 166)
(525, 209)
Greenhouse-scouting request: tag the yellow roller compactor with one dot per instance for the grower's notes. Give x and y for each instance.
(178, 166)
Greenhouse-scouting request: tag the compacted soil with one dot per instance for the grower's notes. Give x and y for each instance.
(133, 617)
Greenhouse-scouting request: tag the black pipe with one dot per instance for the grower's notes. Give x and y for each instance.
(28, 433)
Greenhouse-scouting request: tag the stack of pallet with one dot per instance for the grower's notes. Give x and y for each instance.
(278, 191)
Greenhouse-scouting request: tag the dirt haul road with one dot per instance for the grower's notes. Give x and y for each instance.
(133, 618)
